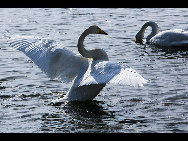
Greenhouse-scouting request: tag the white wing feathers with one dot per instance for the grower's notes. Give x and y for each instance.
(55, 62)
(102, 72)
(65, 65)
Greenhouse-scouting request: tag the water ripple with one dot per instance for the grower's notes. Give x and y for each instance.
(26, 93)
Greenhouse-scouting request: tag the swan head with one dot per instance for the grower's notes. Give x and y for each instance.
(138, 38)
(94, 29)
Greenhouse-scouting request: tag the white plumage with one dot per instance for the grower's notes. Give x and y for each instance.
(103, 72)
(54, 61)
(167, 38)
(89, 72)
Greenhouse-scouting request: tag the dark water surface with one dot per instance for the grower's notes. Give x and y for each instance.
(26, 92)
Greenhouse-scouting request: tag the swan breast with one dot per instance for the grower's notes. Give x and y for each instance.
(99, 54)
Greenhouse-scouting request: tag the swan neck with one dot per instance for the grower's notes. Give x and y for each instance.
(80, 45)
(154, 31)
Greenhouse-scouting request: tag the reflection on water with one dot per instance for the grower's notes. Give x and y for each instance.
(84, 116)
(26, 93)
(165, 52)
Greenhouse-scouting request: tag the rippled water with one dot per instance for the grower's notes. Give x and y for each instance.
(26, 92)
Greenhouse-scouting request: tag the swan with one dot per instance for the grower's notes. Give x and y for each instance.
(167, 38)
(88, 72)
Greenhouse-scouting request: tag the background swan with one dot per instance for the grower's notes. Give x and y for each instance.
(89, 72)
(175, 37)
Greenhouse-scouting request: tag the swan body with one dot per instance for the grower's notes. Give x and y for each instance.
(168, 38)
(88, 72)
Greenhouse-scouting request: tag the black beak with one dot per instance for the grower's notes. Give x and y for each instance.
(102, 32)
(105, 33)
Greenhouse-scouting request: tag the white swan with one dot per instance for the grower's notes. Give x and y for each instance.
(168, 38)
(89, 72)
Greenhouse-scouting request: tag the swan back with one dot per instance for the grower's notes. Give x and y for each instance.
(175, 37)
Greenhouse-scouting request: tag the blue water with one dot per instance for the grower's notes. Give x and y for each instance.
(26, 92)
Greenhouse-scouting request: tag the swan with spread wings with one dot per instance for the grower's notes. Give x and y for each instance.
(88, 72)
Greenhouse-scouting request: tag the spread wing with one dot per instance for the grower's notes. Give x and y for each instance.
(102, 72)
(55, 62)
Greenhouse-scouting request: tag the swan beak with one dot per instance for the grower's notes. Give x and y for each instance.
(137, 41)
(102, 32)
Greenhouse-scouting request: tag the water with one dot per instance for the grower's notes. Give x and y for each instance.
(26, 92)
